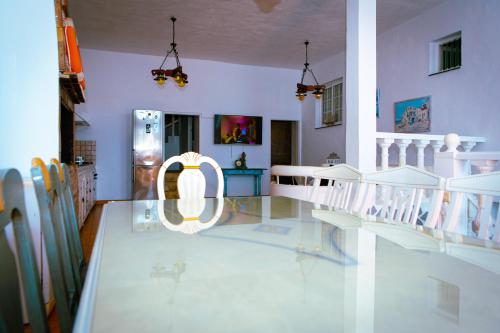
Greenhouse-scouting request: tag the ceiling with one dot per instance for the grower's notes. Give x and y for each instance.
(253, 32)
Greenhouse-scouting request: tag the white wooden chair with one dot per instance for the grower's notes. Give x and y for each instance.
(343, 190)
(301, 188)
(191, 182)
(487, 189)
(402, 195)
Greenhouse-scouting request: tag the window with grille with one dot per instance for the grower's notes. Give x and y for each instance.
(446, 53)
(331, 105)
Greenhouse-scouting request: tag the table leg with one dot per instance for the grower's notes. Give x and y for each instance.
(259, 185)
(254, 185)
(225, 185)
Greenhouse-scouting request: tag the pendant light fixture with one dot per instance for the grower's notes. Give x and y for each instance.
(160, 75)
(302, 89)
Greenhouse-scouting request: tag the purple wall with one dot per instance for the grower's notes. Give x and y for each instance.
(464, 101)
(120, 82)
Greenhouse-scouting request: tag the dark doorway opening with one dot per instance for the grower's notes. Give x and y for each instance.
(181, 136)
(284, 145)
(284, 142)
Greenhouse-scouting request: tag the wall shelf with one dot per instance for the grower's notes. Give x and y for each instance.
(69, 82)
(80, 121)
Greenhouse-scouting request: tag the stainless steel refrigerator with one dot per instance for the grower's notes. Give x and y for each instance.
(147, 152)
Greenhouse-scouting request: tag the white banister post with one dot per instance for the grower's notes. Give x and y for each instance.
(452, 141)
(445, 163)
(361, 84)
(385, 144)
(421, 144)
(402, 144)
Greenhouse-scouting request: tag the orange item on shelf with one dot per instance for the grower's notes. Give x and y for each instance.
(73, 50)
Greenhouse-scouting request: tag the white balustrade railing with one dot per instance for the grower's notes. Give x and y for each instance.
(454, 163)
(421, 141)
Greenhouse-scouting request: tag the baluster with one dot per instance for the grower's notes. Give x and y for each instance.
(384, 156)
(468, 145)
(436, 146)
(421, 144)
(402, 144)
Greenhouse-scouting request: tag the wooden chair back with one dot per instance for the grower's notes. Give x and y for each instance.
(342, 191)
(191, 182)
(403, 195)
(13, 211)
(55, 235)
(63, 184)
(480, 191)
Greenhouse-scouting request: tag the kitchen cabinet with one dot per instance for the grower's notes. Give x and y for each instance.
(86, 192)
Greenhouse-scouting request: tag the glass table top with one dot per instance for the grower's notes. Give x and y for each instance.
(274, 264)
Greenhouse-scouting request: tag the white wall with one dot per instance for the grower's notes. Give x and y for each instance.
(463, 101)
(117, 83)
(29, 84)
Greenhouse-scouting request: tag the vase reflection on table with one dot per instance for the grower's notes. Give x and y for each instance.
(191, 211)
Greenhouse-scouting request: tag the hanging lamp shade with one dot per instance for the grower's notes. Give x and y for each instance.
(161, 74)
(302, 89)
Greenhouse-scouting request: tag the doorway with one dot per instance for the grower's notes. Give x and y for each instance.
(181, 136)
(284, 142)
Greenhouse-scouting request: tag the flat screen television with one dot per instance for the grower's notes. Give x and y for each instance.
(243, 130)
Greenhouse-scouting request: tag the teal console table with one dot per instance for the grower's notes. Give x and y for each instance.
(256, 173)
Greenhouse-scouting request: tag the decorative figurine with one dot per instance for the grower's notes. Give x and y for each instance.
(333, 159)
(241, 163)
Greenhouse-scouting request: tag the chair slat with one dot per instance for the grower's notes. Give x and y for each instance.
(486, 187)
(342, 188)
(68, 225)
(418, 203)
(401, 192)
(62, 274)
(71, 223)
(13, 211)
(485, 216)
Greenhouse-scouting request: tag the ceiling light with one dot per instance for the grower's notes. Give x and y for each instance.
(302, 89)
(161, 74)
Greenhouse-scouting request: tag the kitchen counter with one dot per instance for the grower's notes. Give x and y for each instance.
(83, 187)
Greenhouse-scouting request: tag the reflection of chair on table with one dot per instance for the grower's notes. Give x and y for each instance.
(191, 210)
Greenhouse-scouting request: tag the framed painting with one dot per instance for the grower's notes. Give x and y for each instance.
(413, 115)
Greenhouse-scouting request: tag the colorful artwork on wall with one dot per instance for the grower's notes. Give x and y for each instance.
(413, 115)
(230, 129)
